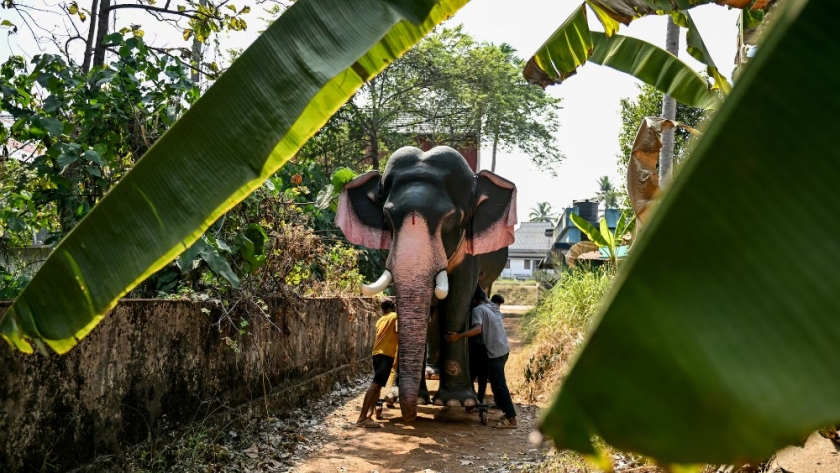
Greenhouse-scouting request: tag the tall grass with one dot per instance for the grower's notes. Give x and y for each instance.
(570, 305)
(554, 330)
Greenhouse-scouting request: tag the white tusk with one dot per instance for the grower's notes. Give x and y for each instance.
(379, 285)
(441, 285)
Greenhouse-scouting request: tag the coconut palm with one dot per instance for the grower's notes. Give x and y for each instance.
(542, 213)
(607, 193)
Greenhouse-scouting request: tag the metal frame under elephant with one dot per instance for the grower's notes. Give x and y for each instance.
(437, 218)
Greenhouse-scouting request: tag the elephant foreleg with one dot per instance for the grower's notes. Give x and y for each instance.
(454, 316)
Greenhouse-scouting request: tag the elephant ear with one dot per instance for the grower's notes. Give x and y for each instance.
(494, 215)
(360, 214)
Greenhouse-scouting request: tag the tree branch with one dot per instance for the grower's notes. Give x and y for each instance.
(150, 8)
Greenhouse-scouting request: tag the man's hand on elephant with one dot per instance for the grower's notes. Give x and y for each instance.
(452, 336)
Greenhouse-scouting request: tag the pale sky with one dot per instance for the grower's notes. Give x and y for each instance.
(590, 123)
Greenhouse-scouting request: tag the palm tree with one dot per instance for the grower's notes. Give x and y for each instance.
(607, 193)
(669, 109)
(542, 213)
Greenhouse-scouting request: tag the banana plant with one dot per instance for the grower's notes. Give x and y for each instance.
(281, 90)
(717, 342)
(603, 237)
(573, 44)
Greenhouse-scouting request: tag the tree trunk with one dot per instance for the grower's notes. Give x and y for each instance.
(101, 32)
(374, 148)
(196, 54)
(669, 111)
(493, 161)
(89, 43)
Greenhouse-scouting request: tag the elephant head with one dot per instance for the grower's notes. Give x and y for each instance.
(431, 211)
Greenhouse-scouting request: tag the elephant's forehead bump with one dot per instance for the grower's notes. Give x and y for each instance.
(439, 157)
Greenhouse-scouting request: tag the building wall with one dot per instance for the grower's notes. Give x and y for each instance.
(516, 267)
(157, 363)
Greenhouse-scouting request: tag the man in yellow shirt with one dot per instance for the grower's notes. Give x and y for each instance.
(384, 353)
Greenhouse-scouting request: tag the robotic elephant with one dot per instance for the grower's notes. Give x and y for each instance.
(437, 217)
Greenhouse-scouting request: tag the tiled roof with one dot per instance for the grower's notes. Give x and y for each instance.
(530, 237)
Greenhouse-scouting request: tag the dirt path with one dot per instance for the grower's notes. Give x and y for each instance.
(441, 440)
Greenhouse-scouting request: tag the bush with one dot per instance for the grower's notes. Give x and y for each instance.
(555, 328)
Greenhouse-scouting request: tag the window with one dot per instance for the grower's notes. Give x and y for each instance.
(527, 264)
(507, 265)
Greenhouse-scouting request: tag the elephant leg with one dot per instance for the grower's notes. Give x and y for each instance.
(454, 316)
(433, 347)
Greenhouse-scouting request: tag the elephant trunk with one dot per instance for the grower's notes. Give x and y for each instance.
(416, 261)
(413, 313)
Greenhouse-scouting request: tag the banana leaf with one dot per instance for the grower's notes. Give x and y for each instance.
(654, 66)
(572, 44)
(559, 57)
(610, 24)
(282, 89)
(596, 236)
(625, 11)
(718, 341)
(696, 47)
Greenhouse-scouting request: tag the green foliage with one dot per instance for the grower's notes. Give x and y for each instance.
(253, 246)
(603, 237)
(452, 90)
(89, 129)
(208, 18)
(573, 44)
(607, 193)
(500, 106)
(206, 164)
(717, 343)
(86, 130)
(570, 305)
(649, 104)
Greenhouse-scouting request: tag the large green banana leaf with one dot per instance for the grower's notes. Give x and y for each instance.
(718, 342)
(281, 90)
(572, 44)
(655, 66)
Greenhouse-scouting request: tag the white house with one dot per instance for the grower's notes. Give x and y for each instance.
(530, 247)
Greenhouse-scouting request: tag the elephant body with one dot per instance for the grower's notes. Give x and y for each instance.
(437, 218)
(490, 267)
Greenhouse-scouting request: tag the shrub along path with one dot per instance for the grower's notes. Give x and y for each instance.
(441, 440)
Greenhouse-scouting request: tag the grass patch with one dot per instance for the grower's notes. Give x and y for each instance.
(517, 293)
(570, 305)
(554, 330)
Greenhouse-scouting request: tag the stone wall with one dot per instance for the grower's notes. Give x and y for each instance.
(158, 363)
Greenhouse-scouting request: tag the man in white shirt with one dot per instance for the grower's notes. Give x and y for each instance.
(486, 319)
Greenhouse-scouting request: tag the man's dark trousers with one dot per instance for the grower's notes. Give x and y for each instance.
(498, 384)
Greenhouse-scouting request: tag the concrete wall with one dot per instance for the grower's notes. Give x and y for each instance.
(516, 268)
(157, 363)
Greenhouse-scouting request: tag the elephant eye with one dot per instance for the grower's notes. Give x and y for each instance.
(450, 219)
